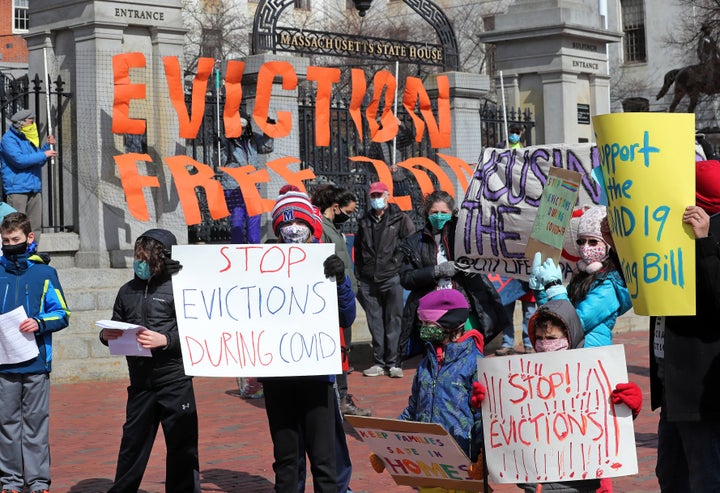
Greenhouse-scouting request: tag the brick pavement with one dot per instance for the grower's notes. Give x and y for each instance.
(235, 448)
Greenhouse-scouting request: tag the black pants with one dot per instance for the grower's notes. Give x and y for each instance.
(295, 406)
(173, 406)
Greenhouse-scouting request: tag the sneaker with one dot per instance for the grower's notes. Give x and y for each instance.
(529, 350)
(396, 372)
(504, 351)
(347, 406)
(10, 491)
(375, 371)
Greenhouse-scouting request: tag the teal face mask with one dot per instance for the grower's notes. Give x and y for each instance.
(142, 269)
(514, 138)
(432, 333)
(439, 219)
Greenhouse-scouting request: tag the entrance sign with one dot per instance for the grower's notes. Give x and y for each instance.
(256, 310)
(416, 454)
(549, 416)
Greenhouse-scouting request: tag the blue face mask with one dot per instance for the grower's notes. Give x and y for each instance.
(514, 138)
(439, 219)
(142, 269)
(378, 203)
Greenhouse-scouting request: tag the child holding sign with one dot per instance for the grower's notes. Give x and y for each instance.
(445, 387)
(556, 326)
(597, 290)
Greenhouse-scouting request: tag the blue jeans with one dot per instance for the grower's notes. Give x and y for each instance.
(688, 458)
(528, 308)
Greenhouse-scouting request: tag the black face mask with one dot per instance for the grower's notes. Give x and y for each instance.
(341, 217)
(13, 250)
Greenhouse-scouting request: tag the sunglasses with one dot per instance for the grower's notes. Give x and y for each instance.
(589, 241)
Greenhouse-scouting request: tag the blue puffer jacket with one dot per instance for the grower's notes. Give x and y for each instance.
(604, 303)
(26, 281)
(441, 392)
(21, 163)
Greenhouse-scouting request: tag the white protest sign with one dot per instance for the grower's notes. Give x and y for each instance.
(549, 416)
(416, 454)
(257, 310)
(500, 205)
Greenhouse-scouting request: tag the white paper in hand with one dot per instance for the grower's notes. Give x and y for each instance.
(125, 345)
(16, 346)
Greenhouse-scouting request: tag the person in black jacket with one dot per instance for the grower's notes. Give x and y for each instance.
(377, 263)
(428, 264)
(685, 359)
(160, 392)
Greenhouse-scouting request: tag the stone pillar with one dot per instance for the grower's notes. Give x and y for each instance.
(82, 36)
(280, 100)
(557, 51)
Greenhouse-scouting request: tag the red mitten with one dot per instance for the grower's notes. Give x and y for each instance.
(478, 395)
(630, 395)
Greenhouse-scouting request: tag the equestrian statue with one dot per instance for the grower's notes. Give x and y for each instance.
(694, 80)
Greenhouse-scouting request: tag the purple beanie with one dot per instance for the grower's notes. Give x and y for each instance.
(446, 307)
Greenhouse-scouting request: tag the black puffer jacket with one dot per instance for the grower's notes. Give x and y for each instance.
(417, 275)
(151, 304)
(381, 265)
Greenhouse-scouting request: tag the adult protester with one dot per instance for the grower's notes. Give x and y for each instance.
(337, 205)
(428, 265)
(21, 162)
(684, 356)
(243, 151)
(377, 264)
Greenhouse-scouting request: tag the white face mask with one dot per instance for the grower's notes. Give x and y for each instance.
(377, 203)
(295, 233)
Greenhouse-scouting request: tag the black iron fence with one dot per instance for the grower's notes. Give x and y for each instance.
(493, 121)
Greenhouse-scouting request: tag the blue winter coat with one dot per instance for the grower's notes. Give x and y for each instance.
(441, 393)
(21, 163)
(28, 282)
(604, 303)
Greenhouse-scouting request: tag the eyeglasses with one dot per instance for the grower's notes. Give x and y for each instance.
(589, 241)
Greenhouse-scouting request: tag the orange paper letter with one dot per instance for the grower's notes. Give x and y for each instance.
(133, 183)
(325, 78)
(124, 92)
(186, 183)
(188, 127)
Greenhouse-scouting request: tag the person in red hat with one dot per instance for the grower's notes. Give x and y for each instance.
(377, 265)
(685, 359)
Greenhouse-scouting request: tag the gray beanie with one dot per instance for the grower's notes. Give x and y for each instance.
(21, 115)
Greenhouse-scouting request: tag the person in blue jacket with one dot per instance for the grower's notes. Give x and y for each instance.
(597, 289)
(303, 411)
(444, 389)
(29, 284)
(21, 162)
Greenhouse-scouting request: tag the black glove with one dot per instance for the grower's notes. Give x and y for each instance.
(271, 120)
(334, 267)
(172, 267)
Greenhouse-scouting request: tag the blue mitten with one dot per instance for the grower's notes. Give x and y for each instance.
(534, 280)
(549, 273)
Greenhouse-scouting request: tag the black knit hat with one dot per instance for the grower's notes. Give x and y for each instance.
(162, 235)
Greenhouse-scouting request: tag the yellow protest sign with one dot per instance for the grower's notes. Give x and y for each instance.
(648, 163)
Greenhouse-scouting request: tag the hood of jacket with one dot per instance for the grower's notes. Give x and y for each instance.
(565, 311)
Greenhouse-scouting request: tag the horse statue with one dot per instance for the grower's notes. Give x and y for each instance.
(693, 80)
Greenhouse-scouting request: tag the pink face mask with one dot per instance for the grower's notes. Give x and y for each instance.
(550, 345)
(592, 256)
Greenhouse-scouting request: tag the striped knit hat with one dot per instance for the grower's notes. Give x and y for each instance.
(291, 206)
